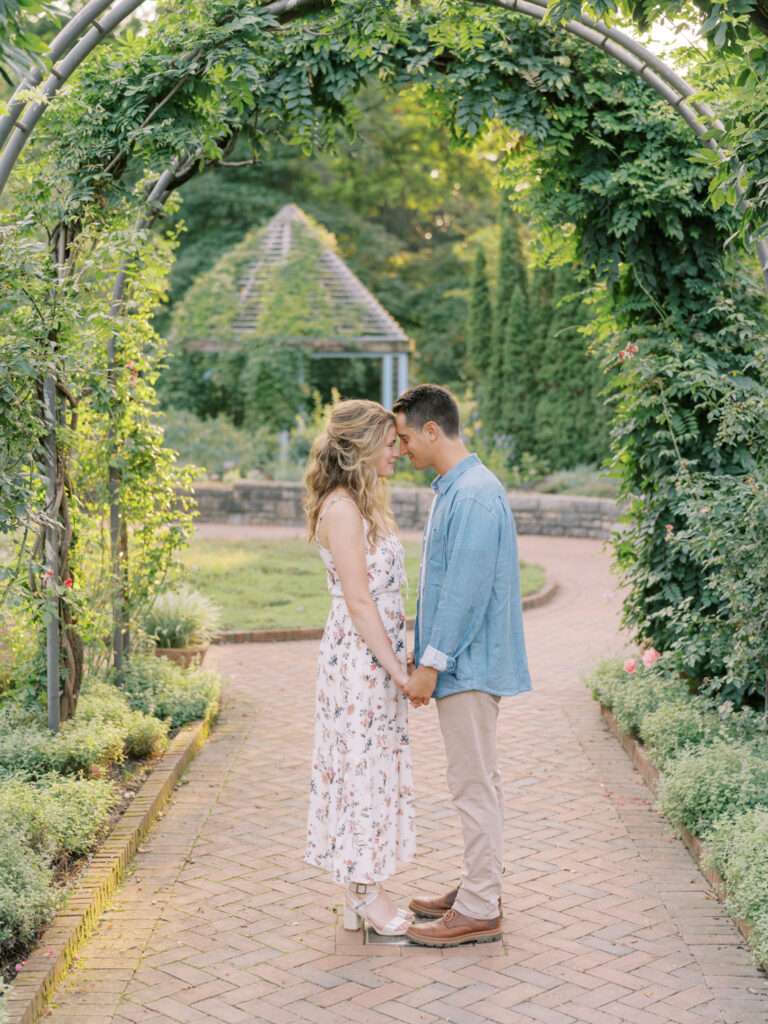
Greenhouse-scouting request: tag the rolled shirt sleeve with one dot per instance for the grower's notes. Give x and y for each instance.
(472, 553)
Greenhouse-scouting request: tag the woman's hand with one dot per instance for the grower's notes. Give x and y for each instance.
(400, 679)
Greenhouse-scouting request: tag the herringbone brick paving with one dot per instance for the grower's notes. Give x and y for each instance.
(606, 917)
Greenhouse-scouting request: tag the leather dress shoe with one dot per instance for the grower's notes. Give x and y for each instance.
(435, 907)
(454, 929)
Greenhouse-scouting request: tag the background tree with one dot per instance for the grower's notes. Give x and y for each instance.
(511, 277)
(521, 357)
(569, 415)
(479, 321)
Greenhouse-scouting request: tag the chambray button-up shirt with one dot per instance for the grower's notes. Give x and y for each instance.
(469, 621)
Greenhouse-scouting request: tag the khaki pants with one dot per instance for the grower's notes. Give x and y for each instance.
(468, 723)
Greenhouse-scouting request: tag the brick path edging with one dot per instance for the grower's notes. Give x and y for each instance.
(264, 636)
(30, 993)
(651, 775)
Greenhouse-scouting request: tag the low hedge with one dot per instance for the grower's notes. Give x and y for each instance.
(737, 847)
(57, 816)
(702, 786)
(713, 764)
(55, 801)
(177, 695)
(27, 896)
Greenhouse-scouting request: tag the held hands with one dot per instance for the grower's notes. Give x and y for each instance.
(421, 685)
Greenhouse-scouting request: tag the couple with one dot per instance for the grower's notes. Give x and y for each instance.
(469, 652)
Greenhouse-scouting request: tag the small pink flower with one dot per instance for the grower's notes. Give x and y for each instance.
(628, 352)
(68, 582)
(669, 530)
(630, 665)
(650, 657)
(19, 967)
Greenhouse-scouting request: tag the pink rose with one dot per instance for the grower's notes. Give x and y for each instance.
(650, 657)
(630, 665)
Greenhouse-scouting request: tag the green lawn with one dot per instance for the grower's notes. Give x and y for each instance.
(281, 583)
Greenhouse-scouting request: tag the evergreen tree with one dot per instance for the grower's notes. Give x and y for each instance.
(479, 322)
(519, 374)
(512, 276)
(570, 417)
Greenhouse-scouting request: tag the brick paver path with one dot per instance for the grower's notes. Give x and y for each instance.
(606, 917)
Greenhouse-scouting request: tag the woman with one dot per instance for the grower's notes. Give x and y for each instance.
(360, 825)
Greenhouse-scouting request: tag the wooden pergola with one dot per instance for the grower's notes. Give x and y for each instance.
(330, 316)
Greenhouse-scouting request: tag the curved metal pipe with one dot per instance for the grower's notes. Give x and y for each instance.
(646, 65)
(617, 44)
(24, 127)
(68, 35)
(16, 130)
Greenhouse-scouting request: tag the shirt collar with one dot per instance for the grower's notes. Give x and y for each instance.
(442, 483)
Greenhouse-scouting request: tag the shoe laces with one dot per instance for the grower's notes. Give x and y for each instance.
(449, 915)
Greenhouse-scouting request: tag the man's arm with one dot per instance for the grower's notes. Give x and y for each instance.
(473, 547)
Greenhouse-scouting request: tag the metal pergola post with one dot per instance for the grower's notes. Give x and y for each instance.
(402, 372)
(387, 380)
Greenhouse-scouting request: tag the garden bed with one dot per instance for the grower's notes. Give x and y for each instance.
(707, 765)
(651, 776)
(75, 806)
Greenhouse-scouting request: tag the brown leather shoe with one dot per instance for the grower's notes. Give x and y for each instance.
(454, 929)
(433, 908)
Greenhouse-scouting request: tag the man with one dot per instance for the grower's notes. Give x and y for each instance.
(469, 651)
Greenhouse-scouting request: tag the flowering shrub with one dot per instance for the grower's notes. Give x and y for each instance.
(633, 689)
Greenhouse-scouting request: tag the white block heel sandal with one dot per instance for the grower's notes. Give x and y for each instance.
(359, 907)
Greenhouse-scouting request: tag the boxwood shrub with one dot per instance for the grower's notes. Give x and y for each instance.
(27, 896)
(738, 848)
(675, 726)
(56, 816)
(158, 687)
(706, 783)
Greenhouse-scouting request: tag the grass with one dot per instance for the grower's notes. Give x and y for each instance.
(581, 480)
(281, 583)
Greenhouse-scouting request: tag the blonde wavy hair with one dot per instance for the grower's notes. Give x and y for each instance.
(342, 456)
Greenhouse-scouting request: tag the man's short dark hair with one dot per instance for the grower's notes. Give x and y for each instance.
(426, 402)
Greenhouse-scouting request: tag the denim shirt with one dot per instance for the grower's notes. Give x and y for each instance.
(469, 622)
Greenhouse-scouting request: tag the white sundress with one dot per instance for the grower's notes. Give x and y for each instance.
(360, 823)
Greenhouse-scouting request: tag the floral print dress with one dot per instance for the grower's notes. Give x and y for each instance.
(361, 823)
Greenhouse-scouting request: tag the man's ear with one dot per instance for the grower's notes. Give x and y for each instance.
(432, 430)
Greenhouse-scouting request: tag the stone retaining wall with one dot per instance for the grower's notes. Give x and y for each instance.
(272, 503)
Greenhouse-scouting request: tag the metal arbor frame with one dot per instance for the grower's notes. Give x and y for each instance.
(77, 40)
(83, 33)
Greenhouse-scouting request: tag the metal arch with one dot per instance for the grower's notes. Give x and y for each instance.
(85, 31)
(79, 37)
(646, 65)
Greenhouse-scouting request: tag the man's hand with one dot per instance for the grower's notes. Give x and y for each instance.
(421, 685)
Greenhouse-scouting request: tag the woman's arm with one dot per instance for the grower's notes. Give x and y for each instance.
(346, 542)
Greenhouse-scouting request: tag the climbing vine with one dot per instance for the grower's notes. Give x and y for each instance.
(606, 169)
